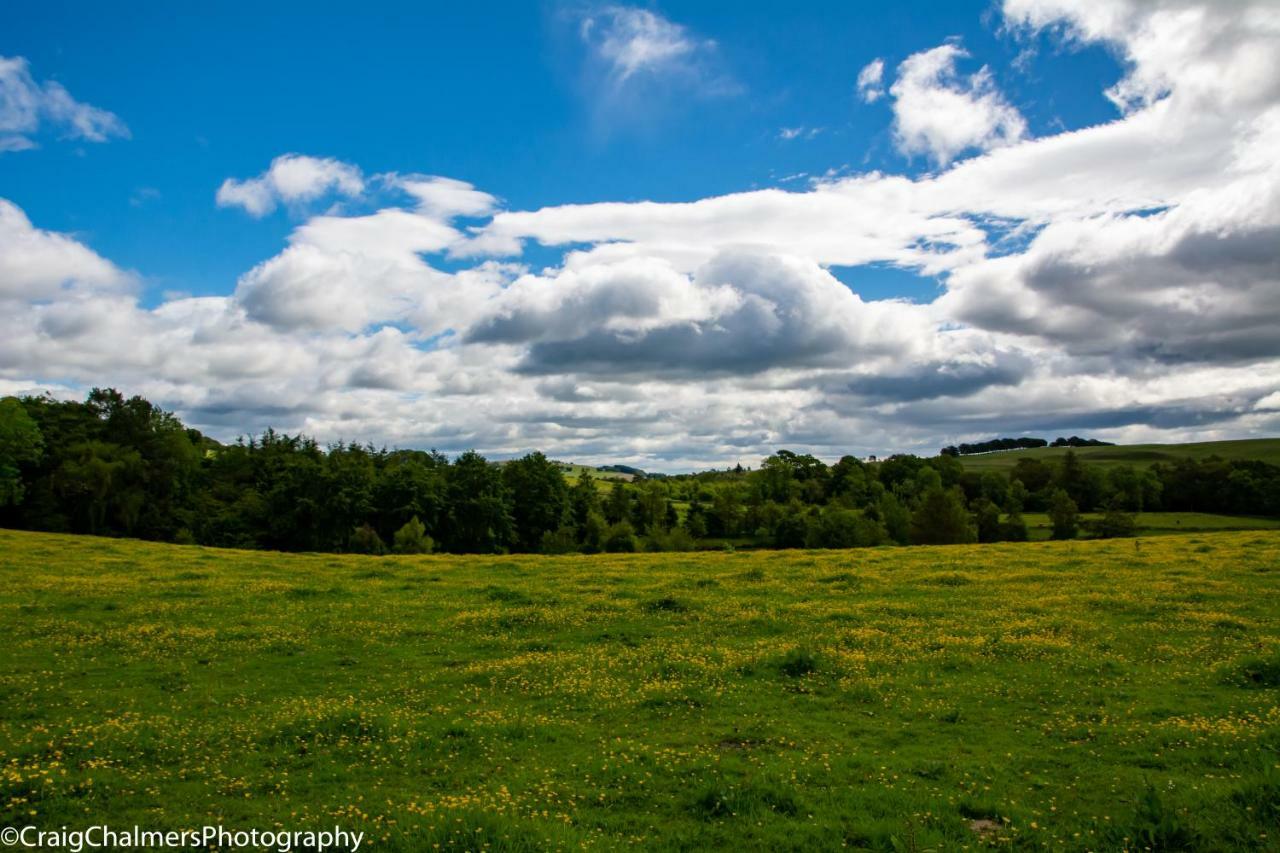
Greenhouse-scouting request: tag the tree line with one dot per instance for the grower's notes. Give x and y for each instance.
(1024, 443)
(120, 466)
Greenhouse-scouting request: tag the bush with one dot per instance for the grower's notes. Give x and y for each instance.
(365, 540)
(844, 528)
(1014, 528)
(413, 539)
(1255, 672)
(1115, 523)
(620, 538)
(593, 533)
(675, 539)
(559, 541)
(798, 663)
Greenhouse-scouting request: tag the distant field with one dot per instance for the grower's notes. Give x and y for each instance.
(572, 472)
(1263, 449)
(1155, 523)
(1062, 696)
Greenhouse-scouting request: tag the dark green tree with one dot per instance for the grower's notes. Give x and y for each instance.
(941, 518)
(479, 509)
(986, 518)
(1064, 515)
(20, 444)
(539, 499)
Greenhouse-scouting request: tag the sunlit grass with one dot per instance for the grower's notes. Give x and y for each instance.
(1077, 695)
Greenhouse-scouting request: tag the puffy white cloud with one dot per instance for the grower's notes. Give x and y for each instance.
(741, 313)
(941, 115)
(445, 198)
(26, 106)
(349, 273)
(291, 179)
(39, 265)
(871, 81)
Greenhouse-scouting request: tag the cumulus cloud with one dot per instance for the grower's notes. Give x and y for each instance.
(291, 179)
(445, 198)
(938, 113)
(28, 106)
(40, 265)
(1121, 279)
(871, 81)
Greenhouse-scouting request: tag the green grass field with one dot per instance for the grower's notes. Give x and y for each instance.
(1158, 523)
(1067, 696)
(572, 471)
(1261, 449)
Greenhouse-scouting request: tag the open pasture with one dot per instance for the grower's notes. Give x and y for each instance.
(1138, 455)
(1076, 695)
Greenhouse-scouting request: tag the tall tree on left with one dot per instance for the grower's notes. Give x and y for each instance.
(20, 443)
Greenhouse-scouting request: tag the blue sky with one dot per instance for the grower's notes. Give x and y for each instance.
(499, 100)
(1067, 195)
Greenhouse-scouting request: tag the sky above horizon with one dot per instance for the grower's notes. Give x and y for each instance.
(670, 235)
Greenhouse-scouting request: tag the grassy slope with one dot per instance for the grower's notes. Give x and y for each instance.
(1264, 449)
(1157, 523)
(572, 471)
(658, 700)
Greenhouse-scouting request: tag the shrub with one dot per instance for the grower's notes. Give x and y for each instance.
(620, 538)
(1014, 528)
(1115, 523)
(365, 540)
(559, 541)
(675, 539)
(1255, 672)
(413, 538)
(844, 528)
(798, 663)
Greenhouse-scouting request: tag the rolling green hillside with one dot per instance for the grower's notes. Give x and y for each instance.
(1262, 449)
(1103, 695)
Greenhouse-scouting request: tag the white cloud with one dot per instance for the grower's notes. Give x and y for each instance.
(445, 198)
(291, 179)
(637, 41)
(940, 114)
(638, 62)
(789, 133)
(27, 106)
(871, 81)
(39, 265)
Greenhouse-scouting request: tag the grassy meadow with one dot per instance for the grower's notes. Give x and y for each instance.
(1099, 695)
(1039, 526)
(1139, 455)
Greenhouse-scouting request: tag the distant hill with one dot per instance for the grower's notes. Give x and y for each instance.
(1262, 449)
(608, 472)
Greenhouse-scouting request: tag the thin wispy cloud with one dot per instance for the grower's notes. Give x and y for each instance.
(789, 133)
(633, 50)
(30, 109)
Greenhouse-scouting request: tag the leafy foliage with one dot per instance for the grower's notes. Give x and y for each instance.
(120, 466)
